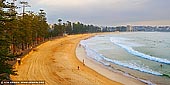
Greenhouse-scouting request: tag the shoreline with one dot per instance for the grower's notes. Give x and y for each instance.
(103, 70)
(55, 62)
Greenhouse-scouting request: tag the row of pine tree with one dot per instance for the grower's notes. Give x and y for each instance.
(20, 32)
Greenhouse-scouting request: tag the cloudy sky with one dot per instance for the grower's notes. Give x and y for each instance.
(106, 12)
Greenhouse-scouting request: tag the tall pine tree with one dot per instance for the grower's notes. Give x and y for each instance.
(5, 42)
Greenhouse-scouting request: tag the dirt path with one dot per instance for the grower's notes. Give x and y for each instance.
(56, 63)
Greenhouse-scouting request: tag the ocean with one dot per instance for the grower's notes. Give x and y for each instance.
(144, 56)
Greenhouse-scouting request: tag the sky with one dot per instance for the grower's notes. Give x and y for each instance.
(105, 12)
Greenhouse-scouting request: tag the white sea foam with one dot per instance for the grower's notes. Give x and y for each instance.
(104, 60)
(147, 82)
(129, 49)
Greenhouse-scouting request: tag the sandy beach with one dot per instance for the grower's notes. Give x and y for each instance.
(56, 63)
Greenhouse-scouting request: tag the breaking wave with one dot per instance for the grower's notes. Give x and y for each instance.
(104, 60)
(136, 53)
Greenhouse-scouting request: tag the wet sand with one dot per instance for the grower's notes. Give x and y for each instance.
(56, 63)
(101, 69)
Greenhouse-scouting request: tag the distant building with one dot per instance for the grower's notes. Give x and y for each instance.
(121, 28)
(108, 29)
(129, 28)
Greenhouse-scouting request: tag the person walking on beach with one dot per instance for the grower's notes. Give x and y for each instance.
(83, 62)
(78, 67)
(79, 45)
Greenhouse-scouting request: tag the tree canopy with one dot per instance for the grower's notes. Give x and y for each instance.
(20, 32)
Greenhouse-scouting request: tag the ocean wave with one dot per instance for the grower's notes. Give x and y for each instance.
(104, 60)
(139, 54)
